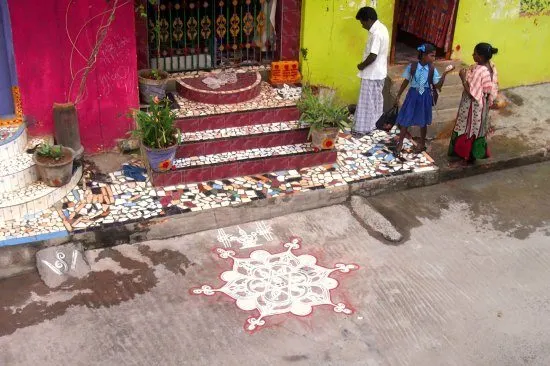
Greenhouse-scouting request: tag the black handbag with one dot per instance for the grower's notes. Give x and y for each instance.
(388, 119)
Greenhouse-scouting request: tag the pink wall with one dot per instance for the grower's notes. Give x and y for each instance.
(42, 51)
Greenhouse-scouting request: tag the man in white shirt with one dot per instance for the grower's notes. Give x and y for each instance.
(372, 71)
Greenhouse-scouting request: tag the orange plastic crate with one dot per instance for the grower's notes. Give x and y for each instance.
(285, 72)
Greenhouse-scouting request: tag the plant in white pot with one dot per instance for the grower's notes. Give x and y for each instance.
(54, 164)
(159, 136)
(325, 116)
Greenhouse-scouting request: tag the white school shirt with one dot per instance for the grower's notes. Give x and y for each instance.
(379, 44)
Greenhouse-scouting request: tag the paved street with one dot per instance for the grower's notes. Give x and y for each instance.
(467, 285)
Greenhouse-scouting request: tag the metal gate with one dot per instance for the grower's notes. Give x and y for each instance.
(192, 35)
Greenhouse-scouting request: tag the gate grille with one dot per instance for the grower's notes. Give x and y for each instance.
(192, 35)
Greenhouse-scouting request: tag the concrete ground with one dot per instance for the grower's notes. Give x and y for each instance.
(521, 133)
(467, 285)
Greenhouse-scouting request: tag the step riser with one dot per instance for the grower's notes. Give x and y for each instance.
(219, 98)
(238, 119)
(14, 146)
(243, 168)
(242, 143)
(18, 180)
(46, 200)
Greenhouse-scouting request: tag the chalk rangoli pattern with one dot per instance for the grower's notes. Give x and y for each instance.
(60, 265)
(278, 283)
(246, 240)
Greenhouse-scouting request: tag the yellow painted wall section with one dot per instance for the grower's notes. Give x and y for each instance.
(335, 41)
(523, 40)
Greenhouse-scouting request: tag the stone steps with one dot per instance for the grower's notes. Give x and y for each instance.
(17, 172)
(13, 141)
(244, 142)
(243, 163)
(237, 119)
(256, 136)
(21, 194)
(34, 198)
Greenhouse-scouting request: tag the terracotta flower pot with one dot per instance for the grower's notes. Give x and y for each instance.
(324, 139)
(55, 173)
(150, 88)
(160, 160)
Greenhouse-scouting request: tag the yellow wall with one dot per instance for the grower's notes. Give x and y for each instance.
(335, 40)
(523, 41)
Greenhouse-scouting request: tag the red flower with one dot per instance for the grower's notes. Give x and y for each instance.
(328, 144)
(165, 165)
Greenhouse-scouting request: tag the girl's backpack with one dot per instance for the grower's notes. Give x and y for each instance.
(435, 92)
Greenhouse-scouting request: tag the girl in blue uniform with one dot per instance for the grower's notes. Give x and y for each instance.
(416, 110)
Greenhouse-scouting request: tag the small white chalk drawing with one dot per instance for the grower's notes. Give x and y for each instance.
(60, 266)
(246, 240)
(278, 283)
(216, 81)
(288, 92)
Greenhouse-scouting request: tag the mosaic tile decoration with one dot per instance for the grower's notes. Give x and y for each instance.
(193, 74)
(34, 198)
(245, 81)
(114, 199)
(15, 164)
(17, 168)
(259, 129)
(6, 133)
(268, 98)
(13, 141)
(246, 88)
(242, 155)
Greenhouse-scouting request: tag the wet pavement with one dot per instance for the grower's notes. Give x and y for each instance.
(467, 285)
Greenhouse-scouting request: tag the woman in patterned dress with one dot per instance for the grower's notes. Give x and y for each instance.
(480, 81)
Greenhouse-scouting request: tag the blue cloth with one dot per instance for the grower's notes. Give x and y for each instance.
(416, 109)
(420, 80)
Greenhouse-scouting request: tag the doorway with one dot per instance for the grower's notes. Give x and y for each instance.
(8, 77)
(422, 21)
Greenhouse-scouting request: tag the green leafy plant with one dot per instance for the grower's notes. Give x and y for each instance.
(304, 52)
(142, 11)
(54, 152)
(156, 127)
(322, 111)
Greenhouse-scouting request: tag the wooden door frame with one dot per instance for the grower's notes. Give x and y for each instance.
(395, 29)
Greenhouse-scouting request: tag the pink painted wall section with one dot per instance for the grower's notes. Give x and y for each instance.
(43, 58)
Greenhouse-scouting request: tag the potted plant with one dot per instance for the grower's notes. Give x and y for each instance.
(152, 82)
(158, 134)
(54, 164)
(325, 116)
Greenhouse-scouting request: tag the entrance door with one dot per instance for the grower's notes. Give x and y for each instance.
(7, 64)
(420, 21)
